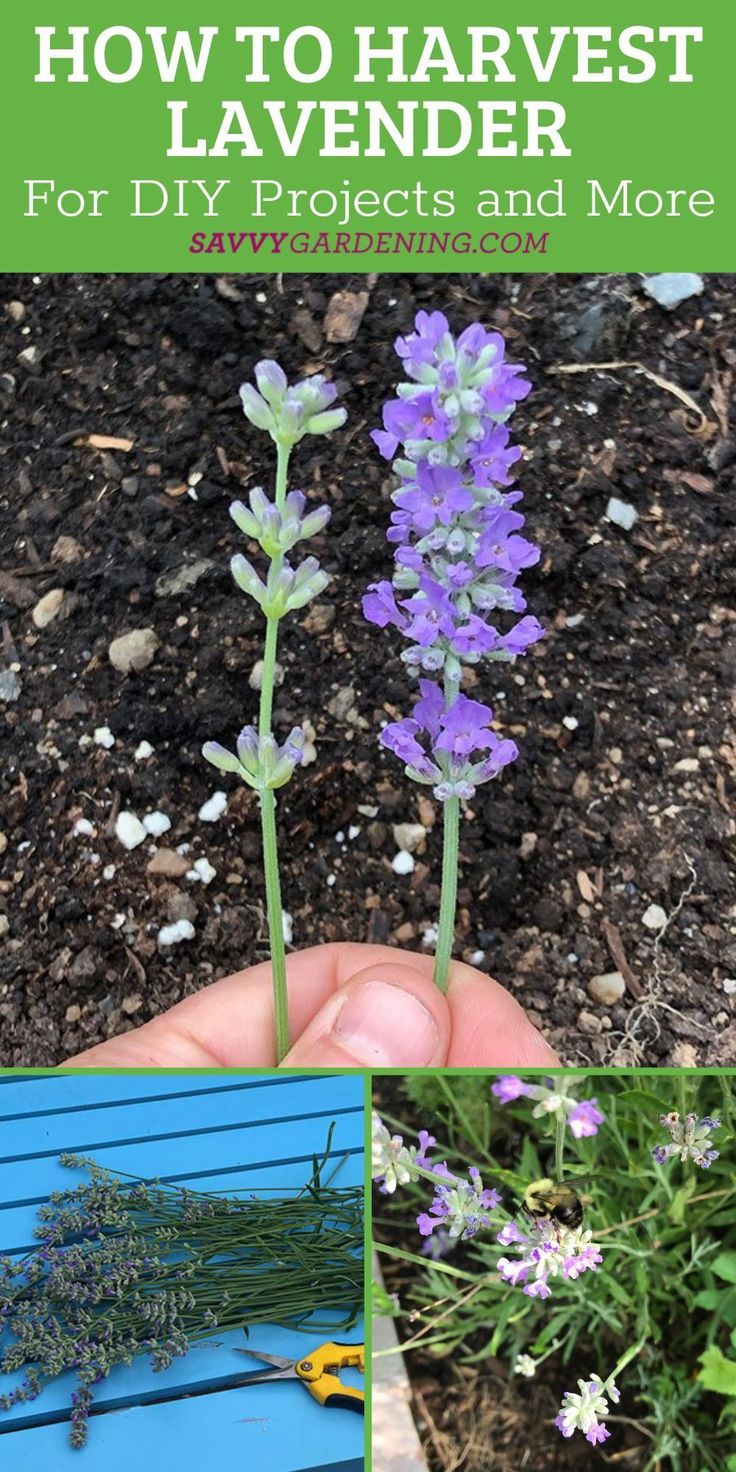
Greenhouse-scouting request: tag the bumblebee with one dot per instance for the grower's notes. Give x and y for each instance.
(555, 1201)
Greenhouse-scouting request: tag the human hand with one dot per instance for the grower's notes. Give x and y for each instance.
(351, 1006)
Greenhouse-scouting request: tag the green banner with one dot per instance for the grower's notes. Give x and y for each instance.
(208, 138)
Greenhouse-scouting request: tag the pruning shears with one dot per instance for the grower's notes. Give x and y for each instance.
(318, 1372)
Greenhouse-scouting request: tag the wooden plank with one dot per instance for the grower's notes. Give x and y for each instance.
(23, 1138)
(266, 1428)
(43, 1094)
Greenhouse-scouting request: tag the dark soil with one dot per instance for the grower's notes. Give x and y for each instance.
(561, 857)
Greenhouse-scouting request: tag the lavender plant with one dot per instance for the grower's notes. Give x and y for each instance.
(287, 413)
(129, 1267)
(458, 555)
(645, 1283)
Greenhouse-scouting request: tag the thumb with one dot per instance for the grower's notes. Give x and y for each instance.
(380, 1017)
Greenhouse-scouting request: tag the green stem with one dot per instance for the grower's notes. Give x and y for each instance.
(274, 909)
(275, 923)
(450, 845)
(625, 1359)
(448, 894)
(560, 1124)
(268, 678)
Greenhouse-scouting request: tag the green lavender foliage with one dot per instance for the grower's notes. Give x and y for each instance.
(127, 1267)
(667, 1232)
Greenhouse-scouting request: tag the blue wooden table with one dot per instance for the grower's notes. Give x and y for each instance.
(231, 1132)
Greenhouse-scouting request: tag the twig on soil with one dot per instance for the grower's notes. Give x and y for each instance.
(635, 367)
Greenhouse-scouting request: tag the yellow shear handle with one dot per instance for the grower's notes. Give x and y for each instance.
(318, 1369)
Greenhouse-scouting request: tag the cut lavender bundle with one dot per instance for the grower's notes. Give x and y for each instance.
(458, 555)
(129, 1267)
(287, 413)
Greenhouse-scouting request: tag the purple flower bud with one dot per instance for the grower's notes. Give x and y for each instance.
(255, 408)
(218, 757)
(247, 578)
(271, 381)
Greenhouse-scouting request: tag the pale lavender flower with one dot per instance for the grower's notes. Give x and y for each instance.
(546, 1250)
(461, 1207)
(290, 412)
(259, 760)
(552, 1097)
(509, 1087)
(690, 1140)
(583, 1410)
(585, 1119)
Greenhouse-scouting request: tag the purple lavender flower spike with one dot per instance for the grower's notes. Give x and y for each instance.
(458, 553)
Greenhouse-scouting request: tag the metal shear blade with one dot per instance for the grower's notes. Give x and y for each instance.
(282, 1369)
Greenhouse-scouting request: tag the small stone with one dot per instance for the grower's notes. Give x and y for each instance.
(309, 750)
(85, 967)
(83, 828)
(129, 830)
(342, 703)
(4, 925)
(133, 651)
(171, 584)
(403, 862)
(3, 842)
(670, 288)
(255, 678)
(607, 989)
(48, 608)
(103, 737)
(570, 723)
(729, 982)
(67, 550)
(202, 870)
(168, 864)
(180, 906)
(621, 513)
(143, 751)
(684, 1055)
(581, 786)
(16, 311)
(654, 918)
(173, 935)
(528, 845)
(10, 686)
(687, 764)
(426, 810)
(410, 837)
(131, 1005)
(73, 1013)
(30, 359)
(344, 315)
(589, 1023)
(156, 824)
(213, 808)
(320, 618)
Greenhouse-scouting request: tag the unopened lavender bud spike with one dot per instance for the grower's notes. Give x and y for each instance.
(287, 414)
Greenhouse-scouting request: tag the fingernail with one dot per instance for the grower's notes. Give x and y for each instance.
(382, 1024)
